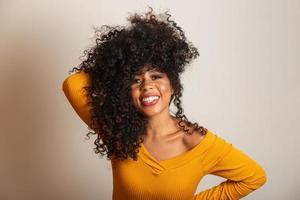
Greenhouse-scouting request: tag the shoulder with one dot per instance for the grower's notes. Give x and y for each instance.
(194, 139)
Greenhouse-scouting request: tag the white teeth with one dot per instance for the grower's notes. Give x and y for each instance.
(149, 99)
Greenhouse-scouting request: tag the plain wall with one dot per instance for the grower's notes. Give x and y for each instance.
(245, 87)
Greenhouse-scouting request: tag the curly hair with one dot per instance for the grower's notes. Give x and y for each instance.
(120, 53)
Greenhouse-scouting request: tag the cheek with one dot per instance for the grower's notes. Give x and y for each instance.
(166, 88)
(166, 93)
(135, 95)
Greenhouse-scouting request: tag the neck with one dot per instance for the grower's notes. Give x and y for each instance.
(161, 126)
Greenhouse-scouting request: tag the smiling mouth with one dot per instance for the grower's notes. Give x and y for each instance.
(150, 101)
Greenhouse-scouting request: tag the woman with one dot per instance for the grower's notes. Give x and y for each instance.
(123, 91)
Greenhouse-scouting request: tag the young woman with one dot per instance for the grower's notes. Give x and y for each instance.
(123, 91)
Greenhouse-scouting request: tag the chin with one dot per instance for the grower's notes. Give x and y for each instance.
(151, 113)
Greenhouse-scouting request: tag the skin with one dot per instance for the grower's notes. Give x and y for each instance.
(164, 138)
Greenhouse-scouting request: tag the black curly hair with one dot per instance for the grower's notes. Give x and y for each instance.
(120, 53)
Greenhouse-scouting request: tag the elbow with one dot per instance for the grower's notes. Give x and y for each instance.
(65, 85)
(259, 178)
(263, 178)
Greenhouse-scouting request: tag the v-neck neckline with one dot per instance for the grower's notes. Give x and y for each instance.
(174, 161)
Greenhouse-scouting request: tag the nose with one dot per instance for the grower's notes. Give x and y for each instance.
(147, 85)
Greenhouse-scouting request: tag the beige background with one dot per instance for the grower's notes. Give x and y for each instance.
(245, 87)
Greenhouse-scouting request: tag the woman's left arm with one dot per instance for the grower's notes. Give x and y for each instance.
(243, 174)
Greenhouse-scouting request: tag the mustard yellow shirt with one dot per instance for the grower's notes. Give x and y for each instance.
(176, 178)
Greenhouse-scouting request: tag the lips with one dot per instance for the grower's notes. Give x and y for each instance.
(149, 102)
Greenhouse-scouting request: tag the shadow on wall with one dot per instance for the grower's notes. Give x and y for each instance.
(37, 158)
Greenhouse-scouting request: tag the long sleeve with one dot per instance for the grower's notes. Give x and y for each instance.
(77, 96)
(243, 175)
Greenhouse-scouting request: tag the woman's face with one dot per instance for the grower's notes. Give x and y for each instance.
(151, 92)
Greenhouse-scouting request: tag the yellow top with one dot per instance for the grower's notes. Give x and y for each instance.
(177, 178)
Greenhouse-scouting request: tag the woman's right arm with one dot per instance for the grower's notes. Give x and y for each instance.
(77, 96)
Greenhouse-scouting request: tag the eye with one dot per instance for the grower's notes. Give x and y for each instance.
(136, 80)
(153, 77)
(156, 76)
